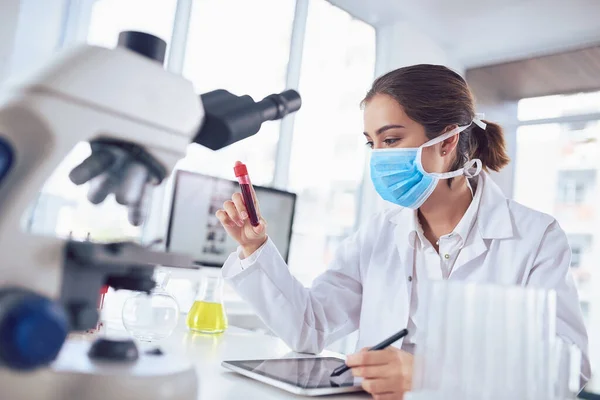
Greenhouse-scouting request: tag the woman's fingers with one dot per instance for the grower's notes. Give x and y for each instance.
(225, 220)
(379, 386)
(370, 372)
(232, 213)
(388, 396)
(238, 201)
(255, 232)
(363, 358)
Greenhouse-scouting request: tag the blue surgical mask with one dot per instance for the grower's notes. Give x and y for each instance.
(399, 177)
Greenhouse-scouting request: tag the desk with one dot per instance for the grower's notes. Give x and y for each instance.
(216, 383)
(205, 351)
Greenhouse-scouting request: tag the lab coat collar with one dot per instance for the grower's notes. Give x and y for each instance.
(493, 216)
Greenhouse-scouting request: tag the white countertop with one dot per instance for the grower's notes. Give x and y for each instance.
(216, 383)
(74, 376)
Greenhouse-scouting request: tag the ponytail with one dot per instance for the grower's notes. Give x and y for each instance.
(488, 146)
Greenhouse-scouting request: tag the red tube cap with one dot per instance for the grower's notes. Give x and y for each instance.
(240, 169)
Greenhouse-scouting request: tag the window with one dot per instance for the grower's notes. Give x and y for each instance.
(327, 160)
(581, 247)
(243, 47)
(575, 186)
(575, 257)
(559, 106)
(111, 17)
(557, 168)
(585, 308)
(556, 171)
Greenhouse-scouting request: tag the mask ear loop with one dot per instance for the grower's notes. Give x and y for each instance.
(469, 165)
(432, 142)
(465, 170)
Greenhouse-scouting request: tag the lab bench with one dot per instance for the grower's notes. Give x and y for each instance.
(216, 383)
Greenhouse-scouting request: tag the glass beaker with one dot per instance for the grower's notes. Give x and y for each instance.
(207, 314)
(151, 317)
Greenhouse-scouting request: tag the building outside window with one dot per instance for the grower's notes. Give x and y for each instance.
(575, 187)
(576, 256)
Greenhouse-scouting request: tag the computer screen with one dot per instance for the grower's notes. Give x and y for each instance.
(195, 230)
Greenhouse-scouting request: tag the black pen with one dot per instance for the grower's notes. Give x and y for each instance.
(387, 342)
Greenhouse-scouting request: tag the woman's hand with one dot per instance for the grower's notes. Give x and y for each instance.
(387, 374)
(235, 220)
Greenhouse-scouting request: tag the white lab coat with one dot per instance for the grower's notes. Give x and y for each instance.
(368, 280)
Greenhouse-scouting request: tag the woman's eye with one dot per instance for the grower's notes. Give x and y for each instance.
(390, 142)
(369, 144)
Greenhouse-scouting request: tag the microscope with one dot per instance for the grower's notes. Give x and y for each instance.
(139, 119)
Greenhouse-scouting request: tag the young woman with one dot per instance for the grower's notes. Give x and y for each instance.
(451, 221)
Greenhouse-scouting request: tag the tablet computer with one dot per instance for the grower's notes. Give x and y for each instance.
(303, 376)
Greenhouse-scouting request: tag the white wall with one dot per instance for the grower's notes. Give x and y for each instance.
(406, 44)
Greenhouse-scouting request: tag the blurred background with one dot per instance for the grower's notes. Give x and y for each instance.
(533, 65)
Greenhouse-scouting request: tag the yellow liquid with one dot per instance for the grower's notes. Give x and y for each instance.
(207, 317)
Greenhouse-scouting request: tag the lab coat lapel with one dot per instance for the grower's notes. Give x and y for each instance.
(493, 222)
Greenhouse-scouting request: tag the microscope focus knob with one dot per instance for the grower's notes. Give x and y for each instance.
(32, 329)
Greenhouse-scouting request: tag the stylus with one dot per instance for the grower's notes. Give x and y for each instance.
(387, 342)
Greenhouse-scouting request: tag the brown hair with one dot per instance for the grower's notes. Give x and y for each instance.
(437, 97)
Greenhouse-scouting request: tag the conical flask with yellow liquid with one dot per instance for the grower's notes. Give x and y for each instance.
(207, 314)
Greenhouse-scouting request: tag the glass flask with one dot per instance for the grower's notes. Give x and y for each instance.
(207, 314)
(151, 317)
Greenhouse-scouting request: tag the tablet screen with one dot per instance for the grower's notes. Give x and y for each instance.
(307, 373)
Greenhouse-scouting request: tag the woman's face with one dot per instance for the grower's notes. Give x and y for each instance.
(386, 126)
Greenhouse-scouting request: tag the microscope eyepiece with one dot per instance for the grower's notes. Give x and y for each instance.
(144, 44)
(230, 118)
(277, 106)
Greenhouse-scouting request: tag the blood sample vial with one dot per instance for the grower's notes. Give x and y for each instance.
(241, 173)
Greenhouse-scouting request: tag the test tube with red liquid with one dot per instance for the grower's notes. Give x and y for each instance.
(241, 173)
(103, 292)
